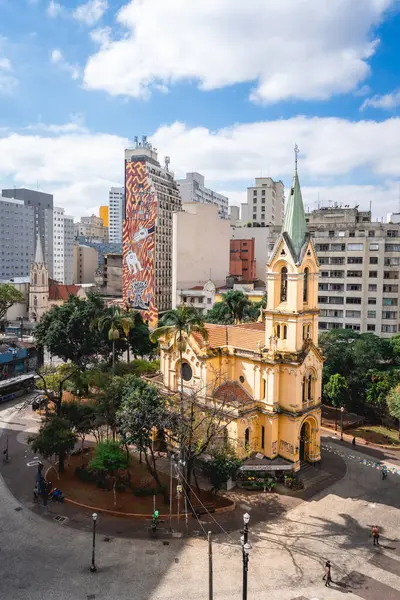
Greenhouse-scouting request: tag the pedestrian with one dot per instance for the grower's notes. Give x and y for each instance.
(375, 535)
(354, 442)
(41, 484)
(327, 577)
(384, 472)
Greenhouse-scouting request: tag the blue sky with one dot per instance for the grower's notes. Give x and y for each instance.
(223, 87)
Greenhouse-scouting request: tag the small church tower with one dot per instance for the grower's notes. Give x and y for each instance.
(39, 285)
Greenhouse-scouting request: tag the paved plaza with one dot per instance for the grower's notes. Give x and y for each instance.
(41, 559)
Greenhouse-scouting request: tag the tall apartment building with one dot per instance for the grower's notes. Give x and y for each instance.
(116, 211)
(152, 196)
(92, 228)
(265, 203)
(242, 264)
(192, 189)
(103, 214)
(359, 270)
(42, 205)
(85, 263)
(63, 246)
(17, 238)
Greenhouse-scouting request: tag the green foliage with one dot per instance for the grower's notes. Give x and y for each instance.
(109, 458)
(54, 437)
(66, 331)
(393, 402)
(380, 385)
(336, 390)
(221, 468)
(9, 295)
(220, 314)
(81, 415)
(237, 304)
(179, 322)
(53, 382)
(139, 338)
(138, 367)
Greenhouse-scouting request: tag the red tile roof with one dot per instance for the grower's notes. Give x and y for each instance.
(248, 336)
(233, 393)
(59, 291)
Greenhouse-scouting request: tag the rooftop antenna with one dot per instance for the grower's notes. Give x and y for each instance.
(167, 160)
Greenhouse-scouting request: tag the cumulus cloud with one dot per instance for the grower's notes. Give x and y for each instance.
(90, 12)
(79, 166)
(57, 58)
(308, 49)
(8, 82)
(386, 102)
(54, 9)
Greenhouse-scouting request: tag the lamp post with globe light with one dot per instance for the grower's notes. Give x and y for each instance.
(246, 547)
(341, 422)
(93, 565)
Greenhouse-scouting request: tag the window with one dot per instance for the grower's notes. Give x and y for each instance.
(389, 328)
(322, 247)
(241, 379)
(390, 275)
(392, 262)
(324, 260)
(337, 274)
(353, 300)
(338, 247)
(336, 287)
(254, 192)
(322, 299)
(392, 247)
(247, 436)
(284, 332)
(335, 300)
(371, 314)
(305, 284)
(392, 233)
(352, 234)
(354, 326)
(336, 260)
(371, 233)
(355, 314)
(306, 331)
(389, 301)
(262, 192)
(371, 300)
(209, 300)
(186, 371)
(324, 273)
(262, 433)
(354, 273)
(370, 327)
(323, 287)
(331, 234)
(354, 287)
(284, 284)
(354, 260)
(355, 246)
(389, 314)
(373, 260)
(391, 288)
(373, 274)
(278, 331)
(374, 247)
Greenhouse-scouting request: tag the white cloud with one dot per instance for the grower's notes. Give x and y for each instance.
(309, 49)
(54, 9)
(90, 12)
(57, 58)
(8, 82)
(386, 102)
(101, 36)
(79, 166)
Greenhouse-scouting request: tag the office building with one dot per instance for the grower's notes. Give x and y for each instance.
(112, 275)
(85, 264)
(192, 189)
(92, 228)
(152, 196)
(242, 264)
(116, 211)
(103, 214)
(265, 203)
(17, 238)
(200, 249)
(63, 246)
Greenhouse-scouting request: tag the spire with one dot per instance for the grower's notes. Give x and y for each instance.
(295, 220)
(39, 252)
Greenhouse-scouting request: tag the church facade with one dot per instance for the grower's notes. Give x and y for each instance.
(268, 374)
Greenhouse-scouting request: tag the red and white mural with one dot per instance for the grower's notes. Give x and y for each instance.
(138, 242)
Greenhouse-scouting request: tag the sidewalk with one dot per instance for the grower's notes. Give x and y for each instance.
(359, 441)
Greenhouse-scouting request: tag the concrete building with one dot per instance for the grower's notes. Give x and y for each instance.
(359, 270)
(266, 376)
(242, 264)
(152, 196)
(63, 246)
(86, 263)
(42, 205)
(116, 211)
(265, 203)
(92, 228)
(21, 309)
(262, 239)
(17, 238)
(234, 214)
(200, 248)
(104, 214)
(192, 189)
(112, 275)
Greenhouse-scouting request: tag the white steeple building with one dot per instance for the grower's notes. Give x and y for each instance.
(39, 285)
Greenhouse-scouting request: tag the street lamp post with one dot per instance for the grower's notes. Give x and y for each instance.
(93, 565)
(246, 547)
(341, 422)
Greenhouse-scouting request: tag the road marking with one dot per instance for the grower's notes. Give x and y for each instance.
(367, 588)
(33, 463)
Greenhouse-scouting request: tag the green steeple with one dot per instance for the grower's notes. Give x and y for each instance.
(295, 220)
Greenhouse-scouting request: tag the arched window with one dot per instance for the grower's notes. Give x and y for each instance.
(308, 331)
(34, 300)
(262, 436)
(283, 284)
(284, 336)
(305, 284)
(303, 389)
(278, 331)
(309, 389)
(247, 436)
(35, 279)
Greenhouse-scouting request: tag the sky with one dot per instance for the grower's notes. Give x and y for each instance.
(223, 87)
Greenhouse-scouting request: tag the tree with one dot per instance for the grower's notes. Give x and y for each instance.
(9, 295)
(109, 458)
(336, 390)
(55, 437)
(237, 303)
(66, 331)
(117, 323)
(143, 411)
(139, 338)
(220, 468)
(220, 314)
(393, 403)
(52, 381)
(381, 382)
(82, 416)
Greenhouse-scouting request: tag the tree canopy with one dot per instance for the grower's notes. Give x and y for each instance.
(55, 436)
(9, 295)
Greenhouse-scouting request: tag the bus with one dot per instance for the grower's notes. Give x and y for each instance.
(16, 386)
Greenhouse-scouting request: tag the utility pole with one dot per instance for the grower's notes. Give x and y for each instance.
(210, 568)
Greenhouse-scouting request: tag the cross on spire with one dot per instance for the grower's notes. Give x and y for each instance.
(296, 152)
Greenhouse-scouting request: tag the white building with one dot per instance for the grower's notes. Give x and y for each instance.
(63, 246)
(192, 189)
(200, 250)
(116, 210)
(265, 203)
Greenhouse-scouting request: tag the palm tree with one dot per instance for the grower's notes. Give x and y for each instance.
(115, 320)
(237, 304)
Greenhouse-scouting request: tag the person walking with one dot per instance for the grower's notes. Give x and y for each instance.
(375, 535)
(354, 442)
(41, 484)
(327, 577)
(384, 472)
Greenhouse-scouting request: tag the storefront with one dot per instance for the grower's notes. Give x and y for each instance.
(261, 473)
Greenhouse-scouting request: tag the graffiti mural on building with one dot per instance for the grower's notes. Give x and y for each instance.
(274, 447)
(138, 242)
(286, 447)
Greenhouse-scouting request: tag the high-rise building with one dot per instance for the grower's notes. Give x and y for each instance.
(92, 228)
(265, 203)
(116, 210)
(242, 263)
(42, 205)
(192, 189)
(86, 263)
(63, 246)
(152, 196)
(17, 238)
(103, 214)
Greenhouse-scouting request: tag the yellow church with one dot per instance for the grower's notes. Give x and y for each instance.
(268, 374)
